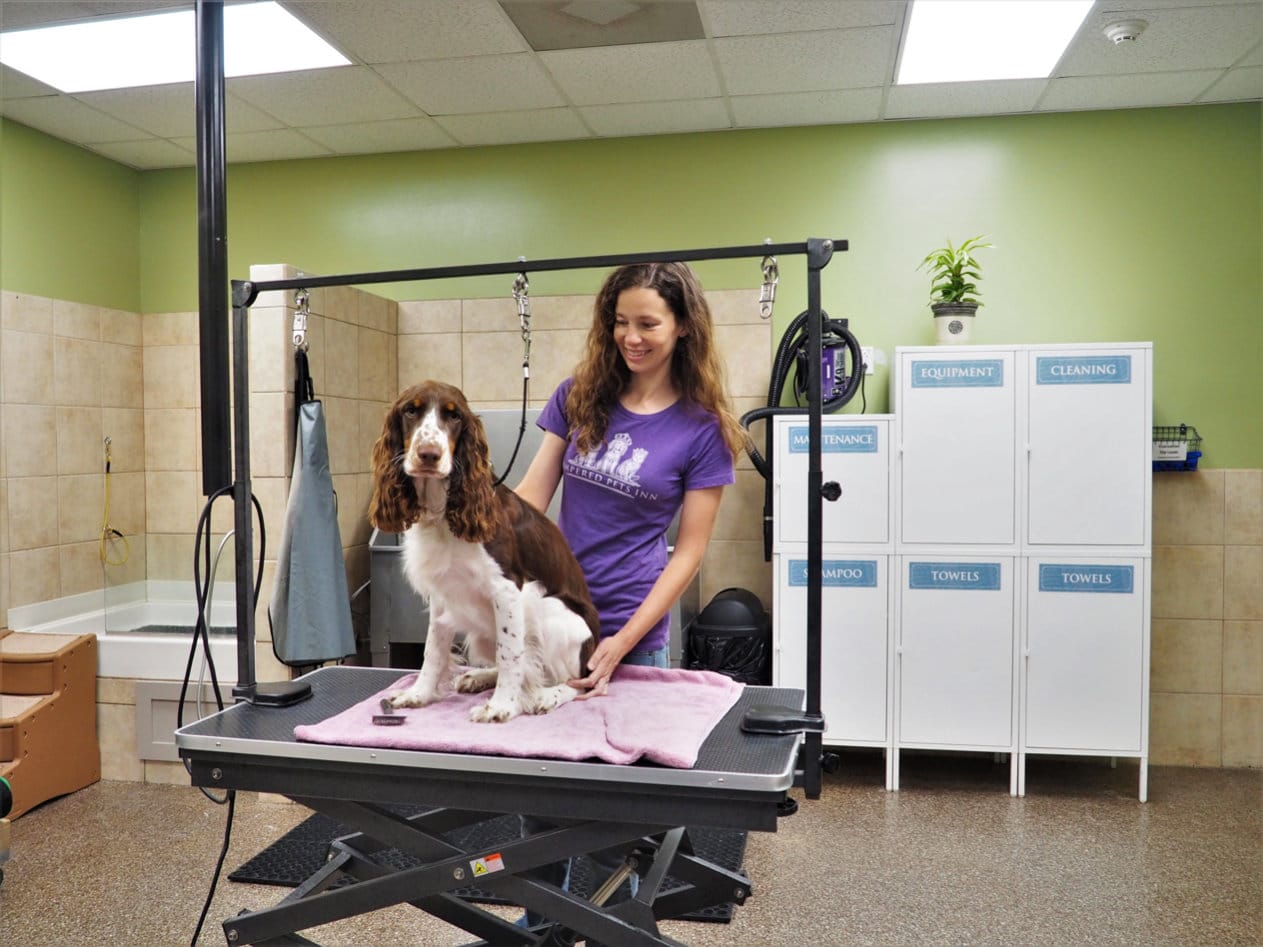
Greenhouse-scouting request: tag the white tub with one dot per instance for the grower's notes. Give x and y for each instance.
(115, 615)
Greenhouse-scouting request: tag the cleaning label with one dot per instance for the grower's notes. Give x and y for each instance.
(1083, 370)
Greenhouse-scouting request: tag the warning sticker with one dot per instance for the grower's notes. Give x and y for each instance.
(485, 866)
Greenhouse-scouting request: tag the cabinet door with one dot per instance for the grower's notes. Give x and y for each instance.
(955, 648)
(1089, 438)
(958, 447)
(854, 452)
(1085, 663)
(854, 643)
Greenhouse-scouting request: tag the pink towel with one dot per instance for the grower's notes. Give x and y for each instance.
(661, 714)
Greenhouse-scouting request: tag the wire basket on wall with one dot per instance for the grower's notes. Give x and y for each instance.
(1176, 447)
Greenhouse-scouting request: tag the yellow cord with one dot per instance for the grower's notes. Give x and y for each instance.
(110, 537)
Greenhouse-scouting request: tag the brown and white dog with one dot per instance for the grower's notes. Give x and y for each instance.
(490, 565)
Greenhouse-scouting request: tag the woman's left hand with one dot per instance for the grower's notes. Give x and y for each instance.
(601, 667)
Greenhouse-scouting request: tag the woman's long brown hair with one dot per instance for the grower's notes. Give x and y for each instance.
(696, 368)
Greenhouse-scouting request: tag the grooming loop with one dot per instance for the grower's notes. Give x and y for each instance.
(767, 293)
(302, 302)
(522, 296)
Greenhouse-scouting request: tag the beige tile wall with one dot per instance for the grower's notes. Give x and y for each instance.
(1206, 677)
(70, 376)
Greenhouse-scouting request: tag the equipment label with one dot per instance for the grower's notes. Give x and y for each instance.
(486, 866)
(860, 439)
(962, 373)
(1083, 578)
(837, 573)
(970, 576)
(1083, 370)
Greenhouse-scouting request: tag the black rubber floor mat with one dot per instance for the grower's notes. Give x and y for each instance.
(297, 854)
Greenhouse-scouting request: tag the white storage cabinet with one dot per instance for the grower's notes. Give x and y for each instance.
(856, 587)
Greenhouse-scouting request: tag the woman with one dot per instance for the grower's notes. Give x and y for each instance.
(641, 431)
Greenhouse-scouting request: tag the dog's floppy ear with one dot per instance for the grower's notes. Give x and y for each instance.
(471, 497)
(394, 506)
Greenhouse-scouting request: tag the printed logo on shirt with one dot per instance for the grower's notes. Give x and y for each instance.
(614, 467)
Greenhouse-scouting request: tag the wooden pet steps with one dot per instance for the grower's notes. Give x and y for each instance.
(48, 741)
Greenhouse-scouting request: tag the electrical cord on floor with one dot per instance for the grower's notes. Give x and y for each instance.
(202, 590)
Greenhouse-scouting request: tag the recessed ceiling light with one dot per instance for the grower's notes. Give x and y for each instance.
(159, 48)
(975, 40)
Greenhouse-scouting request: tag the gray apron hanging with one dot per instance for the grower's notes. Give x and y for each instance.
(310, 610)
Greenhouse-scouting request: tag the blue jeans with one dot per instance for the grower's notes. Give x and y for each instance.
(605, 862)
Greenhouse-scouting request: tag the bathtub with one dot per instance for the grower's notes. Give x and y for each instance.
(126, 622)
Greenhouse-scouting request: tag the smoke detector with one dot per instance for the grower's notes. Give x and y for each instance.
(1124, 31)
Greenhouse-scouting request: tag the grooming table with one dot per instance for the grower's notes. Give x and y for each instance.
(737, 783)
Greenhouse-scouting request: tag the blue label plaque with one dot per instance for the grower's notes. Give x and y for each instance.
(837, 573)
(1083, 370)
(852, 439)
(969, 576)
(1056, 577)
(958, 373)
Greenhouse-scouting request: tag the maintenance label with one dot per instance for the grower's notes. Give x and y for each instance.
(1083, 370)
(956, 576)
(1054, 577)
(860, 439)
(487, 866)
(960, 373)
(837, 573)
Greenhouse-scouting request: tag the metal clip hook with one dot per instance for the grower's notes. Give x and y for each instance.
(767, 293)
(302, 300)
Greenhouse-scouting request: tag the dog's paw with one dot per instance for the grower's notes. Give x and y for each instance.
(550, 698)
(476, 680)
(410, 698)
(494, 711)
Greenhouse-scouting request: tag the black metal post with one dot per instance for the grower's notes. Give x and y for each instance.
(212, 246)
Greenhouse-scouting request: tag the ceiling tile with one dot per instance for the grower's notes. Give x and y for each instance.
(143, 155)
(504, 128)
(806, 62)
(583, 25)
(167, 111)
(280, 145)
(746, 17)
(1205, 37)
(408, 134)
(63, 117)
(323, 96)
(482, 84)
(1121, 92)
(659, 72)
(1244, 82)
(401, 30)
(948, 99)
(807, 108)
(18, 16)
(657, 118)
(18, 85)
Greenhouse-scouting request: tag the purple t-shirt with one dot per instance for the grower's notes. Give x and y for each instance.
(617, 502)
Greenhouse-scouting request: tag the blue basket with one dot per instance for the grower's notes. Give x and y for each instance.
(1188, 463)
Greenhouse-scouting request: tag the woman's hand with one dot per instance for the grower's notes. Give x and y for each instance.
(601, 667)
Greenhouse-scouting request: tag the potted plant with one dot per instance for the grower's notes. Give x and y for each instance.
(954, 288)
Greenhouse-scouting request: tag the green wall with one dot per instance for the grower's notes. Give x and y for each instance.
(69, 222)
(1109, 226)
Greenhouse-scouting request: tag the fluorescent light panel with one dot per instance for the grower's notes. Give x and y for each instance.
(975, 40)
(160, 48)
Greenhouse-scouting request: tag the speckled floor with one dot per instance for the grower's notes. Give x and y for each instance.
(950, 859)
